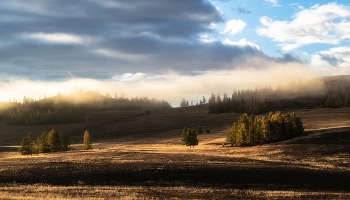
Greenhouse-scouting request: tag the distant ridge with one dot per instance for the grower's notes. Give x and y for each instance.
(333, 78)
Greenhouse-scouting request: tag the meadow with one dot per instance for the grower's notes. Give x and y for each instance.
(139, 155)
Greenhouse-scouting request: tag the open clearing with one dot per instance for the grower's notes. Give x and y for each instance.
(139, 155)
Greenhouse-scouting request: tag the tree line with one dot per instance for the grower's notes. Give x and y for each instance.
(38, 113)
(69, 109)
(338, 94)
(254, 130)
(50, 142)
(334, 94)
(108, 102)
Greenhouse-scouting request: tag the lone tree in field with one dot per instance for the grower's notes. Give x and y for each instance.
(189, 136)
(87, 141)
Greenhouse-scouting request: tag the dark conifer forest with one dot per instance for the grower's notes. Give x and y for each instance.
(62, 109)
(327, 94)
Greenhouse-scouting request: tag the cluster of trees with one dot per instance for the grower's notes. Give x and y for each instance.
(253, 130)
(50, 142)
(189, 135)
(44, 143)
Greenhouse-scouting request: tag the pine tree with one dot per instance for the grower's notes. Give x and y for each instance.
(54, 141)
(87, 141)
(191, 138)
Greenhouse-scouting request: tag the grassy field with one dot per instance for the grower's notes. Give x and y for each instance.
(138, 155)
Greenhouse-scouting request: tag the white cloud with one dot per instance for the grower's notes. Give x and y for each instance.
(334, 61)
(58, 38)
(234, 26)
(320, 24)
(241, 42)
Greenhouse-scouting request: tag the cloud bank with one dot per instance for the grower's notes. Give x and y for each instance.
(57, 40)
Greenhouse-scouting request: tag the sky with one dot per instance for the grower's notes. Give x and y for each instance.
(167, 49)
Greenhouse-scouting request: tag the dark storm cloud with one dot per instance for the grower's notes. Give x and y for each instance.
(331, 59)
(55, 39)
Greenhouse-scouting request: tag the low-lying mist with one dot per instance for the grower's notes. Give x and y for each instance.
(170, 86)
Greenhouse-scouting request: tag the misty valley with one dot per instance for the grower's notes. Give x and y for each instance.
(261, 143)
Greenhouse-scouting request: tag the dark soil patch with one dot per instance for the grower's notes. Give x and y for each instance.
(238, 174)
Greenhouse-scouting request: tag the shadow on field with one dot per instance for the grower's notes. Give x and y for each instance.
(265, 177)
(8, 149)
(327, 144)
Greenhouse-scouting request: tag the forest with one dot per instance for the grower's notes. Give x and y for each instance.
(62, 109)
(333, 94)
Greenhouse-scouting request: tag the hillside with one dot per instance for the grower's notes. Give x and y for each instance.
(145, 126)
(139, 154)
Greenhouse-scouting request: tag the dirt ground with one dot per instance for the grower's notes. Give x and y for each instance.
(154, 164)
